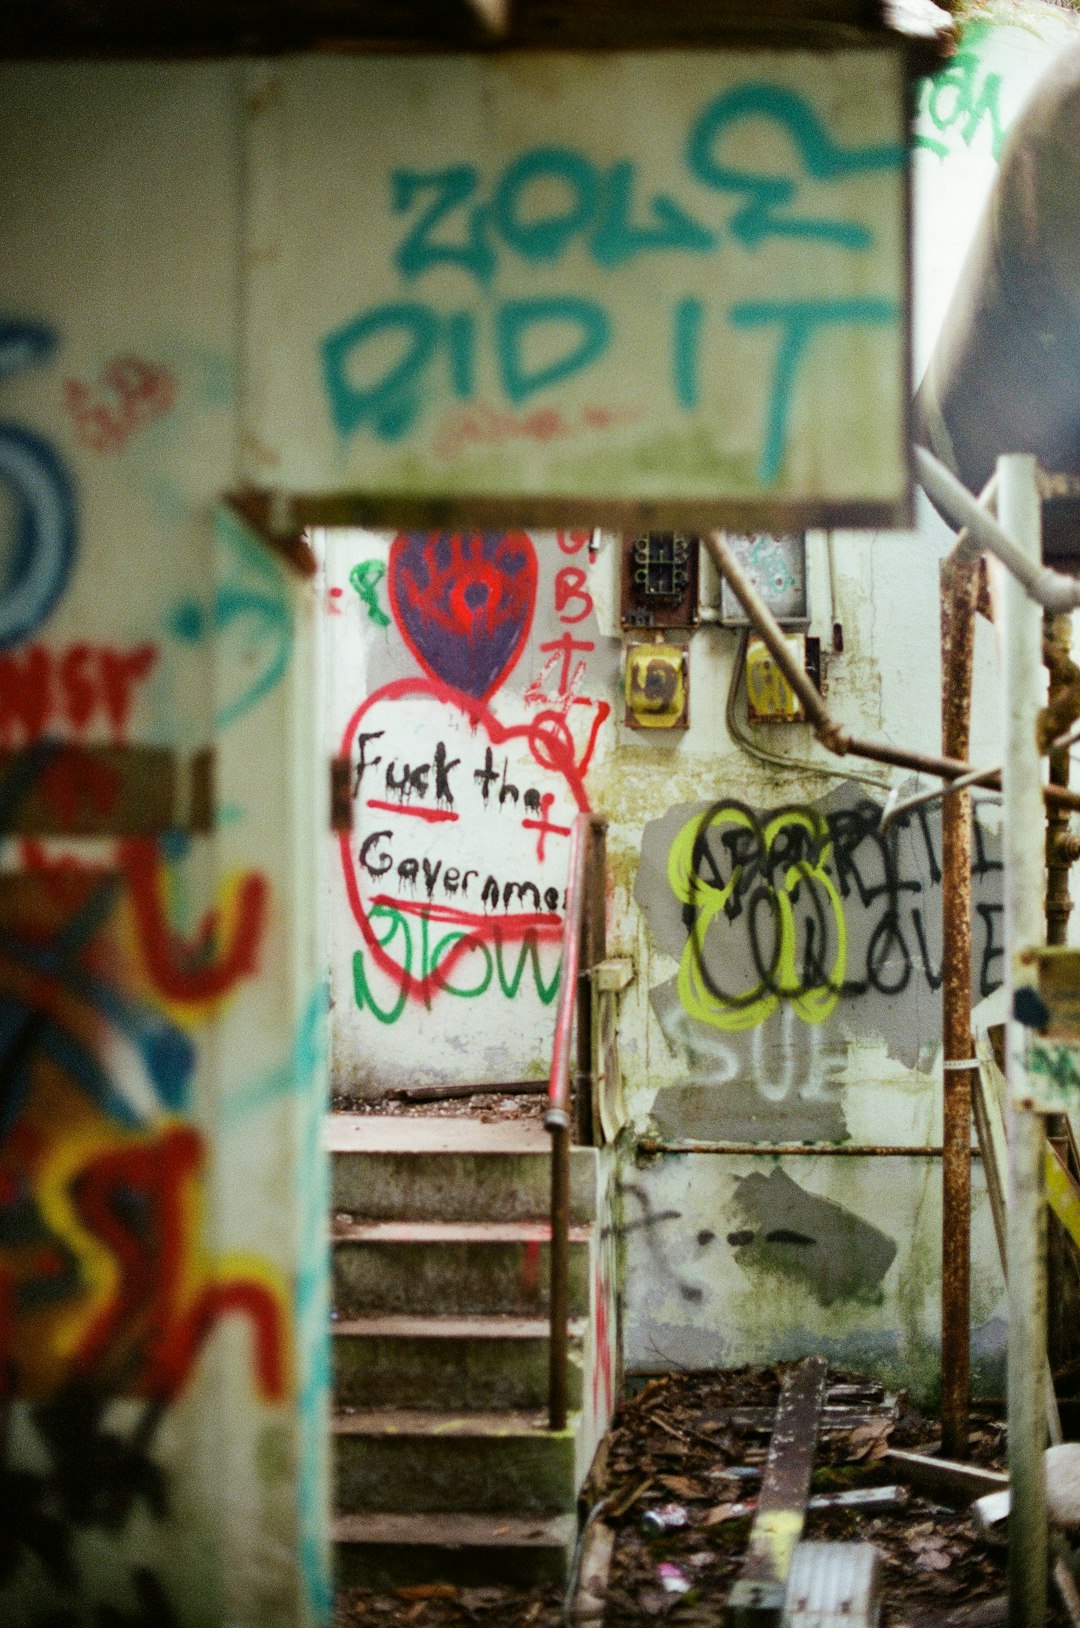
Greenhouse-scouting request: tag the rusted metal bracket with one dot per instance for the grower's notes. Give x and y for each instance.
(341, 805)
(757, 1598)
(269, 517)
(55, 789)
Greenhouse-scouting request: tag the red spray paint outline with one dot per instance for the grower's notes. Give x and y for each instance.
(552, 747)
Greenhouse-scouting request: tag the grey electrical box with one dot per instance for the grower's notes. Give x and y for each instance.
(777, 568)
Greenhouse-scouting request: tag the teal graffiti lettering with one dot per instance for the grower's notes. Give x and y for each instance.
(769, 197)
(365, 578)
(686, 343)
(1059, 1065)
(799, 320)
(250, 612)
(519, 319)
(460, 328)
(544, 237)
(618, 240)
(954, 99)
(450, 189)
(389, 403)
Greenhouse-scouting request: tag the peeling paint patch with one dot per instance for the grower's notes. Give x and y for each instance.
(785, 1230)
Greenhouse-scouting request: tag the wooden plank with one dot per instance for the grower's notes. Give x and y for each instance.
(54, 28)
(944, 1478)
(757, 1598)
(54, 789)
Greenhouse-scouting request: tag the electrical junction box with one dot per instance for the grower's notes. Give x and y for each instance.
(657, 686)
(769, 697)
(660, 580)
(777, 568)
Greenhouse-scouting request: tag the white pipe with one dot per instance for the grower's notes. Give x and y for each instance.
(1021, 517)
(1050, 589)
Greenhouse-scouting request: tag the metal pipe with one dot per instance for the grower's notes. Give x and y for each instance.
(1020, 510)
(1058, 900)
(557, 1121)
(959, 597)
(792, 1150)
(1050, 589)
(559, 1292)
(833, 736)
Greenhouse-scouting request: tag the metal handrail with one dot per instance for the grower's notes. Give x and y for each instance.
(572, 976)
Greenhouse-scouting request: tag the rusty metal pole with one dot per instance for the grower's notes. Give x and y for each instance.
(959, 597)
(1058, 632)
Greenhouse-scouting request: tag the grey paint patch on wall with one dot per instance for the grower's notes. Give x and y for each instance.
(780, 1228)
(797, 929)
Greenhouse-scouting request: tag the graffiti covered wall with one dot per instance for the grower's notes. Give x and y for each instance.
(787, 954)
(469, 695)
(162, 986)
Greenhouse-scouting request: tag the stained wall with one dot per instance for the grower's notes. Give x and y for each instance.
(786, 953)
(162, 996)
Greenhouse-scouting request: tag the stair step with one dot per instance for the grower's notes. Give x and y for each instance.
(378, 1550)
(400, 1460)
(447, 1362)
(413, 1167)
(450, 1267)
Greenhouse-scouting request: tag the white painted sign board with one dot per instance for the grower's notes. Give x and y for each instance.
(637, 285)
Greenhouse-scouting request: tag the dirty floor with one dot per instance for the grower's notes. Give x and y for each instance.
(672, 1445)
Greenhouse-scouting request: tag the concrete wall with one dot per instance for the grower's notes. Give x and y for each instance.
(738, 1259)
(725, 1258)
(472, 691)
(162, 999)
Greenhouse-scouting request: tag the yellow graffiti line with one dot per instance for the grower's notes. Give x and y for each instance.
(750, 1008)
(97, 1266)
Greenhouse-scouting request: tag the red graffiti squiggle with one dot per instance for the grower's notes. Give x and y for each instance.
(132, 393)
(199, 969)
(139, 1202)
(552, 747)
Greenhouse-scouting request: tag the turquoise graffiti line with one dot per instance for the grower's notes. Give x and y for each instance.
(252, 608)
(391, 406)
(289, 1078)
(1059, 1064)
(313, 1331)
(493, 964)
(384, 367)
(957, 100)
(365, 578)
(800, 320)
(600, 206)
(768, 197)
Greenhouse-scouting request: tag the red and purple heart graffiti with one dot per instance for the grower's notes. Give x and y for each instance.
(464, 603)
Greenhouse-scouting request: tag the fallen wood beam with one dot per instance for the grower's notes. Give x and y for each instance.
(757, 1597)
(445, 1093)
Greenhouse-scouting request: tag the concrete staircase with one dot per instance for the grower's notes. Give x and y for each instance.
(444, 1466)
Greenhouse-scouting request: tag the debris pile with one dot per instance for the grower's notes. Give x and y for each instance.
(672, 1498)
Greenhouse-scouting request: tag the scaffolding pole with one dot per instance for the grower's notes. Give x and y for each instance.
(1019, 517)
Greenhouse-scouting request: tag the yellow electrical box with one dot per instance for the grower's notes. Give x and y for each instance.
(769, 697)
(657, 686)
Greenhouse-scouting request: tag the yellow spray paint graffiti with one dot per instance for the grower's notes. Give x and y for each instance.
(775, 865)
